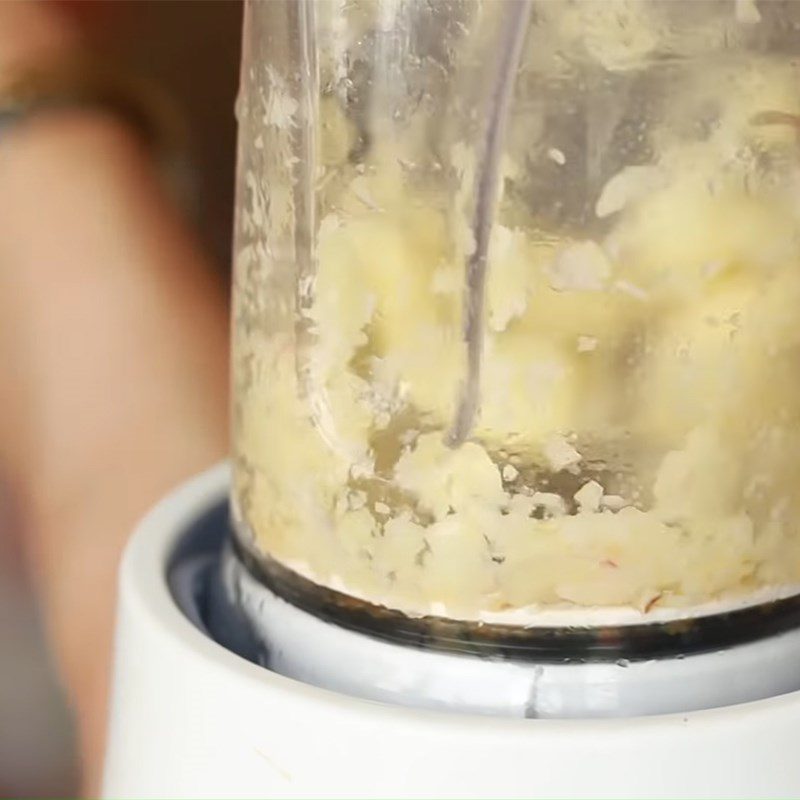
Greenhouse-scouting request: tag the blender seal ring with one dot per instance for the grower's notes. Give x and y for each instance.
(538, 644)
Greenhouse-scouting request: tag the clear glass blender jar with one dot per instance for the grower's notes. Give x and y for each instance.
(516, 292)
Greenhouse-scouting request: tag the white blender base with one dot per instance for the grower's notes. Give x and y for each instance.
(192, 719)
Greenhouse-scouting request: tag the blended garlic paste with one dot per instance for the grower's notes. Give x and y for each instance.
(638, 437)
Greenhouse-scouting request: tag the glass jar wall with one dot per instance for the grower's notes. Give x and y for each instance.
(516, 292)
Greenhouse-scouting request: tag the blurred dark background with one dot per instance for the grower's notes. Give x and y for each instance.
(190, 48)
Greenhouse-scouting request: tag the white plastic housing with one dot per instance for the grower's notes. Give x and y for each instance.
(191, 719)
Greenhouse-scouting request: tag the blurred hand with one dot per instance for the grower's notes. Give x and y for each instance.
(113, 341)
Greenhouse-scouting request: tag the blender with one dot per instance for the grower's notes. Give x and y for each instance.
(512, 502)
